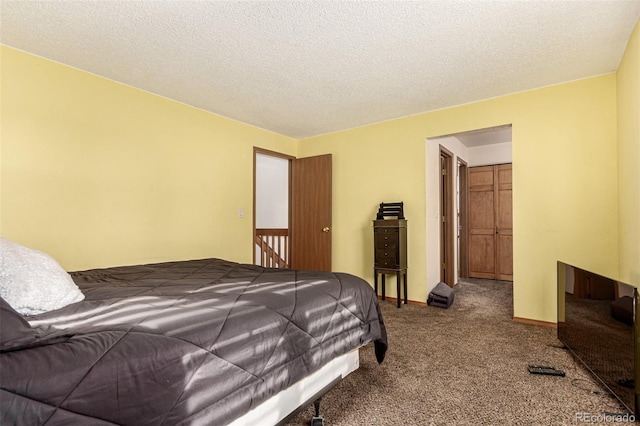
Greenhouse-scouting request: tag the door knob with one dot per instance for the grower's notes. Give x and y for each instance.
(326, 229)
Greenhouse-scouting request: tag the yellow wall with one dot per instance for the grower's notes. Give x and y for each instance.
(100, 174)
(628, 77)
(564, 179)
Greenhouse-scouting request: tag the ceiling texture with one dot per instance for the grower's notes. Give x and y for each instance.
(305, 68)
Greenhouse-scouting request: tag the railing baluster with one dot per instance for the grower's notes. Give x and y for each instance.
(273, 244)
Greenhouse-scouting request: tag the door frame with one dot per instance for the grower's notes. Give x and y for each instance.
(313, 172)
(447, 214)
(256, 151)
(463, 218)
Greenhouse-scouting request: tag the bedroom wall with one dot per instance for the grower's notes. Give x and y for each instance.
(99, 174)
(628, 84)
(565, 179)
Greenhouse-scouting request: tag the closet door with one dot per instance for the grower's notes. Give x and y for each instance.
(504, 224)
(482, 225)
(490, 222)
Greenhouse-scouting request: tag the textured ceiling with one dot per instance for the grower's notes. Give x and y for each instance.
(303, 68)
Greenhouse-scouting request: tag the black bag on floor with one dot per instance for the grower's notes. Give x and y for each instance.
(441, 296)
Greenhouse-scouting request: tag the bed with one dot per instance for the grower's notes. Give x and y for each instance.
(194, 342)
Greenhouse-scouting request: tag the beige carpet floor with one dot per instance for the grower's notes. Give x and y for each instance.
(466, 365)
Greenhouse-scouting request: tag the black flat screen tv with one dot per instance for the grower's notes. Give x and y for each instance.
(596, 322)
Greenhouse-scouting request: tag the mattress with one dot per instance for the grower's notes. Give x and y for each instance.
(193, 342)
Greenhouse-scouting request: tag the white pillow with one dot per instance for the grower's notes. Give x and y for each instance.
(32, 282)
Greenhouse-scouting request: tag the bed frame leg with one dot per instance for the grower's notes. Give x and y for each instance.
(317, 420)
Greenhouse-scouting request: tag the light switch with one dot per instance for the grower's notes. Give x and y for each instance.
(240, 212)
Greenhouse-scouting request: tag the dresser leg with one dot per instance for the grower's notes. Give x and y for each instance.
(383, 289)
(405, 287)
(398, 276)
(375, 282)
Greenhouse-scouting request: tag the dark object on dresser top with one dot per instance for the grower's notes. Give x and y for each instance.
(390, 210)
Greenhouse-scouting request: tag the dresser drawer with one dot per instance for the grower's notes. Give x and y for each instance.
(382, 254)
(386, 263)
(385, 230)
(381, 239)
(381, 243)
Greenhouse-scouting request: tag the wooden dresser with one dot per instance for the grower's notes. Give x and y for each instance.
(390, 253)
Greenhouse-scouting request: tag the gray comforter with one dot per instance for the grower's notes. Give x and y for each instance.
(195, 342)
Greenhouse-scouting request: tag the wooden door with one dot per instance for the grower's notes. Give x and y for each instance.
(490, 222)
(447, 216)
(311, 213)
(504, 223)
(482, 247)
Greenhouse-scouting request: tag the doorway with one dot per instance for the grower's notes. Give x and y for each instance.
(271, 206)
(469, 149)
(292, 211)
